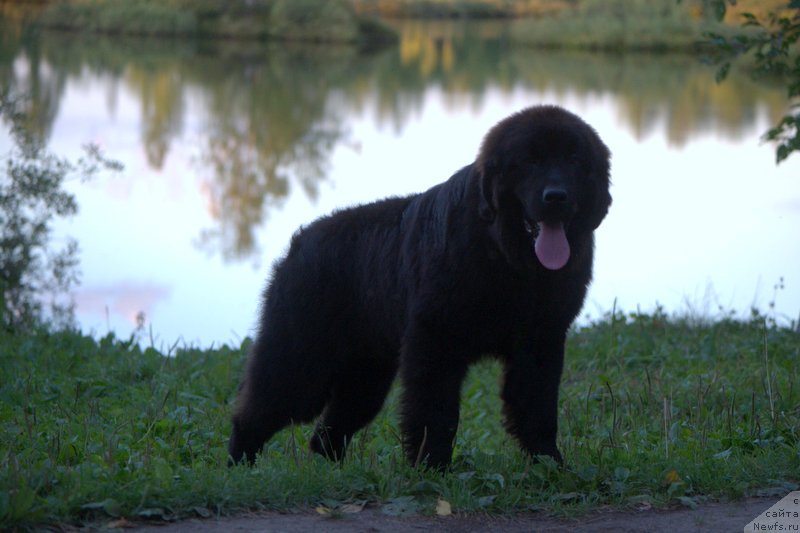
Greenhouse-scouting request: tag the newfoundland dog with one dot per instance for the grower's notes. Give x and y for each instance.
(495, 262)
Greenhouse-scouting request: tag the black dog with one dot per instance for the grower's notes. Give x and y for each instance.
(494, 261)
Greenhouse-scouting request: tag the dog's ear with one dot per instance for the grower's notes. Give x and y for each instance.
(487, 184)
(601, 182)
(602, 201)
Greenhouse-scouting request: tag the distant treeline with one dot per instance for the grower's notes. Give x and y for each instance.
(302, 20)
(592, 24)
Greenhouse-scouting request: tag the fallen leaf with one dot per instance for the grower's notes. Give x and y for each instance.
(672, 477)
(202, 512)
(443, 508)
(321, 509)
(350, 508)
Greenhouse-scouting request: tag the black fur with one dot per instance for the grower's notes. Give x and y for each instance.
(426, 285)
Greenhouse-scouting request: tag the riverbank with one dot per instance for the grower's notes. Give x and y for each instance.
(322, 21)
(656, 413)
(614, 25)
(639, 25)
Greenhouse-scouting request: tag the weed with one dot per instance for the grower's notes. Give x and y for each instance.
(653, 409)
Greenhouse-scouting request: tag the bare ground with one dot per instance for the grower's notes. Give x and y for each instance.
(711, 517)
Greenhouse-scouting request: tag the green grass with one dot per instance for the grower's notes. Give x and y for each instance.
(654, 411)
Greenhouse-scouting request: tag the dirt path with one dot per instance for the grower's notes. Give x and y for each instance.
(711, 517)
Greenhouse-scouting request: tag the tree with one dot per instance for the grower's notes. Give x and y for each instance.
(772, 41)
(34, 279)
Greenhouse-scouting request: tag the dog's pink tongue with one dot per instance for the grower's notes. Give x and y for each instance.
(551, 246)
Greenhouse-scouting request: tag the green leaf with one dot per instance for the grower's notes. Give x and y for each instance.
(402, 506)
(588, 473)
(202, 512)
(621, 473)
(109, 506)
(688, 502)
(724, 454)
(722, 72)
(568, 496)
(750, 20)
(782, 153)
(154, 512)
(464, 476)
(486, 501)
(496, 478)
(426, 487)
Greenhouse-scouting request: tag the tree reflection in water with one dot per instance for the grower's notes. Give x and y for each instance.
(272, 115)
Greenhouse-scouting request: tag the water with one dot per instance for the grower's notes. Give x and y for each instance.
(229, 147)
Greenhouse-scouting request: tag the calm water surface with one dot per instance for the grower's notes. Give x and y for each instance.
(229, 147)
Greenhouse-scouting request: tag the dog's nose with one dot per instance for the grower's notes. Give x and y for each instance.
(554, 195)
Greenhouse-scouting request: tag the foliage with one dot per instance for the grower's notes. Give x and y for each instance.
(774, 49)
(30, 196)
(654, 411)
(439, 9)
(32, 274)
(314, 20)
(304, 20)
(137, 17)
(622, 25)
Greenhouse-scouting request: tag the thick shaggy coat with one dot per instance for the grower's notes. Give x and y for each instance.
(494, 261)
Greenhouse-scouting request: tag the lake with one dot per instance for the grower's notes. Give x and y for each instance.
(228, 147)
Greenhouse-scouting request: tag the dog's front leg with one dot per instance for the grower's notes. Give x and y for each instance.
(530, 392)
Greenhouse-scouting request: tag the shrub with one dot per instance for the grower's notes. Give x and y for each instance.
(138, 17)
(314, 20)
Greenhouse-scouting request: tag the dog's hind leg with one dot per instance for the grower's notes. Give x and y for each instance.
(357, 395)
(280, 388)
(432, 372)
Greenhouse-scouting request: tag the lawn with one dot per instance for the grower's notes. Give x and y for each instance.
(654, 411)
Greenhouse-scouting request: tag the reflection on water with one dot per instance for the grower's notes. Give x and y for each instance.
(274, 113)
(271, 119)
(263, 122)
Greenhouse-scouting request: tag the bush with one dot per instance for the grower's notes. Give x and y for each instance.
(137, 17)
(314, 20)
(303, 20)
(621, 25)
(35, 280)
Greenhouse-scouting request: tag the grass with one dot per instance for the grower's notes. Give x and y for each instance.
(655, 411)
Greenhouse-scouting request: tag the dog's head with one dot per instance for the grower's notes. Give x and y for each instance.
(543, 175)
